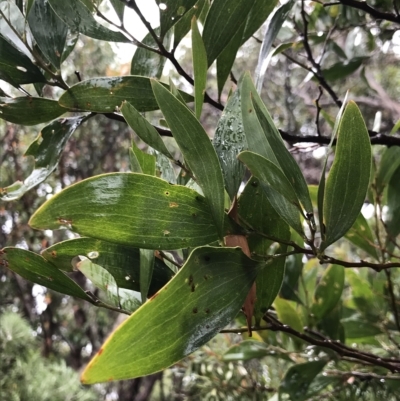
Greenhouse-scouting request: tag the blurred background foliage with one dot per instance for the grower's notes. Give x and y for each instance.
(45, 337)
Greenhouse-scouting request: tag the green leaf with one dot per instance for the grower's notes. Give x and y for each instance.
(119, 8)
(322, 182)
(197, 150)
(203, 297)
(341, 69)
(121, 261)
(171, 11)
(358, 328)
(146, 271)
(348, 179)
(287, 314)
(328, 291)
(246, 350)
(142, 162)
(275, 182)
(46, 149)
(298, 379)
(79, 18)
(147, 63)
(105, 95)
(274, 25)
(16, 68)
(182, 27)
(29, 110)
(389, 163)
(199, 68)
(13, 27)
(130, 209)
(38, 270)
(360, 234)
(229, 141)
(254, 209)
(164, 168)
(227, 57)
(101, 278)
(392, 219)
(49, 31)
(223, 19)
(143, 129)
(285, 160)
(257, 16)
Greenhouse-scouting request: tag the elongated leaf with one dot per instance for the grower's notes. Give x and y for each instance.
(36, 269)
(255, 209)
(287, 314)
(101, 278)
(121, 261)
(147, 63)
(257, 16)
(255, 134)
(269, 173)
(229, 141)
(246, 350)
(360, 234)
(143, 129)
(200, 300)
(197, 150)
(328, 291)
(359, 328)
(79, 18)
(131, 209)
(322, 182)
(222, 21)
(49, 31)
(390, 162)
(227, 57)
(105, 95)
(171, 11)
(393, 203)
(146, 271)
(286, 162)
(182, 27)
(142, 162)
(29, 110)
(341, 70)
(119, 8)
(199, 68)
(348, 179)
(13, 26)
(298, 379)
(16, 68)
(46, 149)
(274, 25)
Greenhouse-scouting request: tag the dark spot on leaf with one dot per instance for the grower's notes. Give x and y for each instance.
(195, 310)
(254, 184)
(207, 310)
(205, 277)
(166, 193)
(100, 351)
(194, 215)
(152, 298)
(198, 198)
(250, 110)
(193, 288)
(207, 258)
(54, 254)
(190, 280)
(207, 326)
